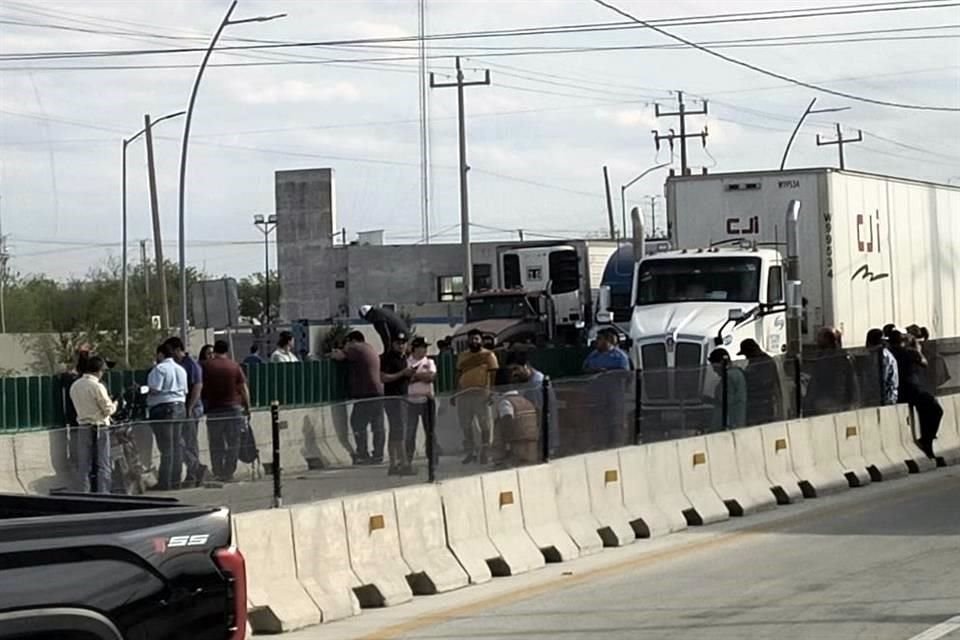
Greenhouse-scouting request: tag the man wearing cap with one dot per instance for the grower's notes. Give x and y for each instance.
(763, 384)
(385, 322)
(734, 384)
(395, 375)
(421, 404)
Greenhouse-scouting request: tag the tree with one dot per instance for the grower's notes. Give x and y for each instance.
(252, 291)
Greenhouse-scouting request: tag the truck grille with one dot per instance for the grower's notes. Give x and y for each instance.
(682, 383)
(654, 356)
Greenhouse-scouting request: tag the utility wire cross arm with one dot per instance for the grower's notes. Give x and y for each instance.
(840, 141)
(445, 85)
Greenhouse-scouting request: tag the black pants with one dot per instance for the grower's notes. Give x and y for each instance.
(166, 421)
(368, 412)
(223, 435)
(929, 413)
(425, 412)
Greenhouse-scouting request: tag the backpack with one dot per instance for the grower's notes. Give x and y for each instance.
(248, 452)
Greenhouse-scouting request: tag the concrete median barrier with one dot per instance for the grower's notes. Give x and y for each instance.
(666, 486)
(8, 467)
(541, 515)
(917, 460)
(323, 562)
(892, 440)
(750, 462)
(880, 465)
(423, 542)
(466, 522)
(706, 505)
(606, 498)
(374, 545)
(573, 501)
(849, 435)
(947, 444)
(501, 502)
(646, 517)
(740, 497)
(815, 461)
(38, 455)
(778, 463)
(278, 602)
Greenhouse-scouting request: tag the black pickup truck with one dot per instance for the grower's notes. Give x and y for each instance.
(81, 567)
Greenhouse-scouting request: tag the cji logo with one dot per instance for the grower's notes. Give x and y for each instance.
(867, 240)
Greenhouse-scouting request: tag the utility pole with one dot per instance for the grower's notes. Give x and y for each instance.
(840, 141)
(653, 215)
(146, 273)
(4, 259)
(464, 196)
(682, 112)
(606, 187)
(266, 226)
(155, 214)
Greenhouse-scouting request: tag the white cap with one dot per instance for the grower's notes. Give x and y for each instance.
(364, 310)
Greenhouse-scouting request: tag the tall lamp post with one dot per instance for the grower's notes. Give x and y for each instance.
(623, 192)
(226, 22)
(266, 225)
(123, 269)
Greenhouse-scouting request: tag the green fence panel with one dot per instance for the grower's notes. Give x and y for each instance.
(34, 402)
(10, 415)
(49, 401)
(446, 372)
(23, 403)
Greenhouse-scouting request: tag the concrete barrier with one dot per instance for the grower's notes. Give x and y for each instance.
(749, 450)
(849, 435)
(573, 502)
(892, 440)
(38, 454)
(466, 522)
(666, 486)
(778, 463)
(646, 517)
(278, 602)
(323, 561)
(814, 452)
(8, 467)
(880, 465)
(423, 541)
(374, 545)
(501, 503)
(917, 460)
(947, 444)
(541, 516)
(695, 464)
(606, 498)
(740, 497)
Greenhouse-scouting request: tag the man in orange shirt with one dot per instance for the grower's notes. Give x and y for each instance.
(475, 371)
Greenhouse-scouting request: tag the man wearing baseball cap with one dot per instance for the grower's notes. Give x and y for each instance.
(763, 384)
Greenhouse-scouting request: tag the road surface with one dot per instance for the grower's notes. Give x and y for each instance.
(877, 563)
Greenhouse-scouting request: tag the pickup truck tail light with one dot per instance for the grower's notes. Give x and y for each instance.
(231, 563)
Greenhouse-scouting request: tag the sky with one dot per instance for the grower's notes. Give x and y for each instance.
(559, 107)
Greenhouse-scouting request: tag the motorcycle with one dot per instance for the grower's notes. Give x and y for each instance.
(127, 470)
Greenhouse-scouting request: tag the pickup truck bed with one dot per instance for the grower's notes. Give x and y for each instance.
(80, 567)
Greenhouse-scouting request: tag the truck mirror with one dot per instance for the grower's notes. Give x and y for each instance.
(604, 317)
(735, 315)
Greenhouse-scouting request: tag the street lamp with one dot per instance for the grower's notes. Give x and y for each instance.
(623, 192)
(226, 22)
(266, 225)
(796, 129)
(123, 224)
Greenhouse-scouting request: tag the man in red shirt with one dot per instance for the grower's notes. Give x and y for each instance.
(226, 401)
(366, 389)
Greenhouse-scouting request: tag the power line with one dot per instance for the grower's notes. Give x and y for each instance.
(779, 76)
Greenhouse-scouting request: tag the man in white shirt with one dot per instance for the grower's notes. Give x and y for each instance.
(94, 408)
(167, 405)
(421, 405)
(284, 352)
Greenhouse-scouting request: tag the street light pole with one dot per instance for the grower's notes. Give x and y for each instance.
(184, 333)
(623, 191)
(123, 223)
(266, 226)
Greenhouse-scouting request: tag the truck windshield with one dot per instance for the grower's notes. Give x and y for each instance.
(497, 308)
(698, 279)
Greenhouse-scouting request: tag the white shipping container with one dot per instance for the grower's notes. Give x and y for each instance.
(874, 249)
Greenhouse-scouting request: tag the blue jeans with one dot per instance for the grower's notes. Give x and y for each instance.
(85, 454)
(167, 421)
(223, 434)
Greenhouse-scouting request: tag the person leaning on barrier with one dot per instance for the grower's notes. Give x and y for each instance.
(764, 395)
(608, 389)
(366, 389)
(832, 385)
(166, 404)
(911, 364)
(736, 388)
(517, 426)
(94, 408)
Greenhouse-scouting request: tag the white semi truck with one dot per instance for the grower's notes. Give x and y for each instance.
(870, 250)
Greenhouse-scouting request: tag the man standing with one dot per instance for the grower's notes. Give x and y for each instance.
(253, 359)
(833, 383)
(227, 401)
(517, 429)
(609, 388)
(421, 404)
(734, 383)
(911, 364)
(395, 375)
(284, 352)
(166, 403)
(475, 370)
(385, 322)
(94, 408)
(763, 384)
(366, 390)
(889, 374)
(188, 430)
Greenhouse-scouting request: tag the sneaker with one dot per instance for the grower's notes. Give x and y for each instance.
(471, 457)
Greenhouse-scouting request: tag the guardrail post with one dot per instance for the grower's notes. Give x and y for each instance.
(637, 405)
(430, 426)
(724, 401)
(545, 419)
(797, 386)
(275, 437)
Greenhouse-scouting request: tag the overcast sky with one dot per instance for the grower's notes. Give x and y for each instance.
(538, 135)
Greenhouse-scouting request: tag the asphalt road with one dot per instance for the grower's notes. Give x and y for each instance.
(877, 563)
